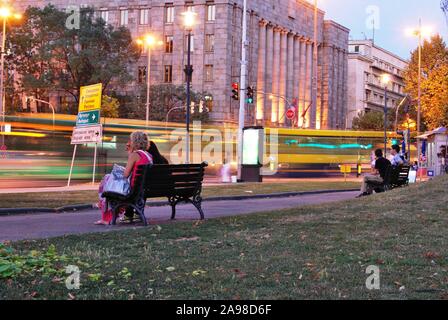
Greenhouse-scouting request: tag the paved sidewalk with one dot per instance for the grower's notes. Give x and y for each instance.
(209, 181)
(47, 225)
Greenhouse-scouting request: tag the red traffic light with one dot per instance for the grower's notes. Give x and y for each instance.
(235, 86)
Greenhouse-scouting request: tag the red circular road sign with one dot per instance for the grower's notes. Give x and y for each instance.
(290, 114)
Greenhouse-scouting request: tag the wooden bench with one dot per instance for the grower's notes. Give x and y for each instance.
(179, 183)
(395, 177)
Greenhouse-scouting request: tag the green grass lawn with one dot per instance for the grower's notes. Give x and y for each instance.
(59, 199)
(316, 252)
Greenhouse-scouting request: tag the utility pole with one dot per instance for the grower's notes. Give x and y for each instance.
(241, 121)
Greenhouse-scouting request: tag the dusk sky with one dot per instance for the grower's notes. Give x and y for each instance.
(394, 17)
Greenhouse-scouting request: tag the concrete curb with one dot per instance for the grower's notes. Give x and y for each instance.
(80, 207)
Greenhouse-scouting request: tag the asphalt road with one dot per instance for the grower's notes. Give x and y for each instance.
(47, 225)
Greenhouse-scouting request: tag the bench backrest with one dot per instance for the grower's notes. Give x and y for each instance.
(183, 180)
(400, 175)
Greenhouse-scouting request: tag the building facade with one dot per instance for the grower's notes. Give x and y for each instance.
(367, 63)
(280, 54)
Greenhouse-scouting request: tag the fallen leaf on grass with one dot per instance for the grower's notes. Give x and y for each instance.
(198, 272)
(187, 239)
(170, 269)
(432, 255)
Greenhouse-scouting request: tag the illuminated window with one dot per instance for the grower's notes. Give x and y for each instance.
(192, 43)
(169, 44)
(168, 74)
(169, 13)
(105, 15)
(208, 70)
(144, 16)
(124, 17)
(211, 12)
(209, 42)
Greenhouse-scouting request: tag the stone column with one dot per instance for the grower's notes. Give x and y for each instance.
(269, 71)
(339, 86)
(290, 69)
(261, 72)
(309, 81)
(283, 76)
(342, 93)
(334, 92)
(275, 77)
(344, 90)
(296, 71)
(302, 82)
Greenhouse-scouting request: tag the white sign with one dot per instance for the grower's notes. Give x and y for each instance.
(88, 134)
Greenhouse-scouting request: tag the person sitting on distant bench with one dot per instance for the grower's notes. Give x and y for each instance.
(372, 180)
(398, 159)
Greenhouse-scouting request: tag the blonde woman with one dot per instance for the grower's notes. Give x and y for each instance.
(137, 146)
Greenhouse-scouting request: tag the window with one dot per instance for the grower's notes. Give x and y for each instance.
(168, 74)
(209, 42)
(208, 72)
(124, 17)
(168, 44)
(189, 6)
(356, 48)
(144, 16)
(192, 43)
(211, 12)
(169, 13)
(105, 15)
(141, 74)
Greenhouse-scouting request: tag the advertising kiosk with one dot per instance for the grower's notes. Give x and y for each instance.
(253, 149)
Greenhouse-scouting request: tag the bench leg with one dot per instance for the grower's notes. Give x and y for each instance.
(173, 203)
(197, 202)
(141, 211)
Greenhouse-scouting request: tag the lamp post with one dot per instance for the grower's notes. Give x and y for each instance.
(47, 103)
(189, 22)
(385, 79)
(419, 33)
(5, 14)
(148, 41)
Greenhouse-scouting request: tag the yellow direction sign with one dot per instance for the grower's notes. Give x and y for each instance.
(90, 97)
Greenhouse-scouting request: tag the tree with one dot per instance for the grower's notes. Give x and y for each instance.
(49, 57)
(109, 107)
(163, 98)
(372, 120)
(434, 88)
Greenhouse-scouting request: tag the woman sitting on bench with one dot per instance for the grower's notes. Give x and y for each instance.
(138, 144)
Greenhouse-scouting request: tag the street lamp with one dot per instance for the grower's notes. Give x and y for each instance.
(44, 102)
(148, 41)
(5, 14)
(189, 22)
(385, 80)
(421, 32)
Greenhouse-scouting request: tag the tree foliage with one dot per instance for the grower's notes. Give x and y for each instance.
(371, 120)
(109, 107)
(434, 82)
(163, 98)
(48, 56)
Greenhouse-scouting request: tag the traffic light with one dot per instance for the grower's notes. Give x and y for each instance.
(236, 91)
(250, 95)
